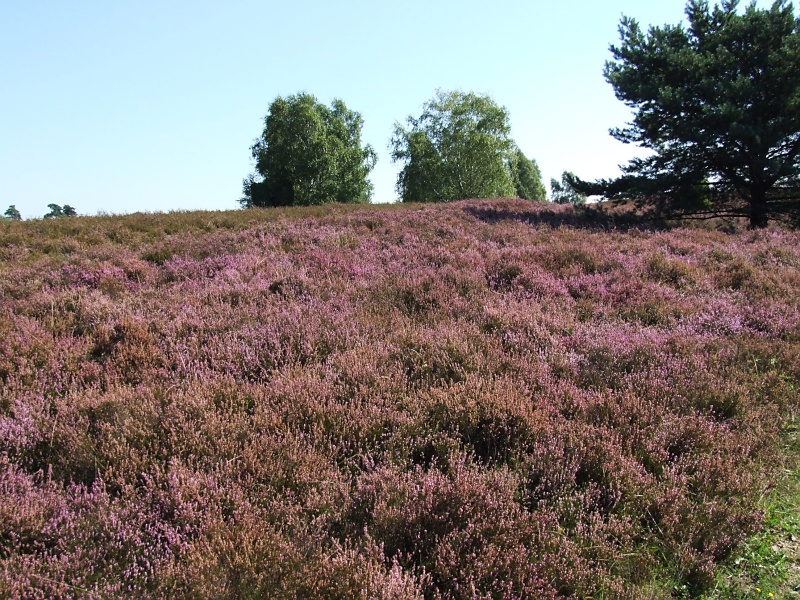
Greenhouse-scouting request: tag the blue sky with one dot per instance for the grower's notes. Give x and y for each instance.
(121, 107)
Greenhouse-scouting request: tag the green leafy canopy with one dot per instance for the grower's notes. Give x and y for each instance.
(527, 177)
(309, 154)
(460, 147)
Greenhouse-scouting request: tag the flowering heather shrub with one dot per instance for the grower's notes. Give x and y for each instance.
(477, 400)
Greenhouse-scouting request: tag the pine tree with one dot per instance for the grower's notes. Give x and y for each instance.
(12, 213)
(716, 103)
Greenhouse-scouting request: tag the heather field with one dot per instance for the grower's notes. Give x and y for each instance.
(485, 399)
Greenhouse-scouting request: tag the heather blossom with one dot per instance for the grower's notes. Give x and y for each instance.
(485, 399)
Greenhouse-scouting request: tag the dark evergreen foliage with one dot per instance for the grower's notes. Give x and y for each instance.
(564, 192)
(57, 211)
(12, 214)
(717, 103)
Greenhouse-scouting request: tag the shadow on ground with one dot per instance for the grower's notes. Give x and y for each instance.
(592, 217)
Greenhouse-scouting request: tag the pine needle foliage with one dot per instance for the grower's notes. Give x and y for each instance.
(717, 102)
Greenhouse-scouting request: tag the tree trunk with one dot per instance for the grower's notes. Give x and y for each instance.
(758, 208)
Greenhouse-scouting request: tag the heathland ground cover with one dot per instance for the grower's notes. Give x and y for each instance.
(484, 399)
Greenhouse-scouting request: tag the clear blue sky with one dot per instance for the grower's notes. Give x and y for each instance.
(152, 105)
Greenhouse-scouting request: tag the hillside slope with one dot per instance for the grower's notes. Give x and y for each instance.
(480, 399)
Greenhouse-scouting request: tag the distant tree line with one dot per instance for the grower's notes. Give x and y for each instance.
(716, 103)
(460, 147)
(56, 211)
